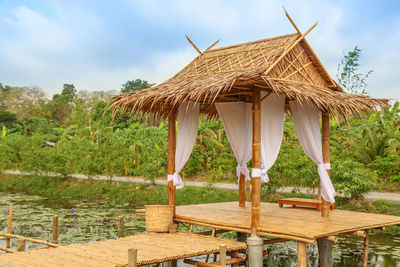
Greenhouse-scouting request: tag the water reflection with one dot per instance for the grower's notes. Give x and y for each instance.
(83, 221)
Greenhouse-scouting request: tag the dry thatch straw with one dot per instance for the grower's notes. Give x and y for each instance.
(283, 65)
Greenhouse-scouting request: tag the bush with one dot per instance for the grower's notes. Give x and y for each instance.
(352, 178)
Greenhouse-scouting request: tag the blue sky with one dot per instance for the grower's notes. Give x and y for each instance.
(99, 45)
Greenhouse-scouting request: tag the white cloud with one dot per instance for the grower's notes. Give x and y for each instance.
(95, 46)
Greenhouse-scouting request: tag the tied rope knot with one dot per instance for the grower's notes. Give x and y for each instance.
(262, 173)
(327, 191)
(242, 169)
(176, 180)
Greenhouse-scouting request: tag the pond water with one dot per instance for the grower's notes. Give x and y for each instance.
(83, 221)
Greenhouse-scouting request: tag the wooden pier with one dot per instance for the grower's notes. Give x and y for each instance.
(151, 248)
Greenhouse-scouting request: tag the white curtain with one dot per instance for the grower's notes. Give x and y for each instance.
(272, 120)
(306, 120)
(188, 124)
(237, 121)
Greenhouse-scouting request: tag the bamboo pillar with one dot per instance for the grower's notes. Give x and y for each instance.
(21, 245)
(256, 183)
(301, 254)
(366, 245)
(132, 257)
(9, 225)
(171, 158)
(171, 164)
(55, 229)
(326, 156)
(121, 226)
(222, 255)
(242, 191)
(325, 246)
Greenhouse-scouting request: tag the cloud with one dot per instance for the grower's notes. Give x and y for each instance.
(99, 46)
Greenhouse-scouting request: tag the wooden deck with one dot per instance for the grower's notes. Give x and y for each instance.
(152, 248)
(301, 224)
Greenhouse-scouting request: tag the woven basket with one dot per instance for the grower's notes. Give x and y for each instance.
(159, 217)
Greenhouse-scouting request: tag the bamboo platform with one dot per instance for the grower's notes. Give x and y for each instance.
(151, 248)
(299, 224)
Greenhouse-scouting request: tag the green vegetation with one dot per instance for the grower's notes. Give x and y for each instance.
(73, 132)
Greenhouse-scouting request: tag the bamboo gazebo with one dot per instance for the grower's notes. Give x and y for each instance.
(249, 86)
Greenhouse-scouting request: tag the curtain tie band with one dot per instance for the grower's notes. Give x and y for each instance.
(177, 180)
(255, 172)
(242, 169)
(327, 166)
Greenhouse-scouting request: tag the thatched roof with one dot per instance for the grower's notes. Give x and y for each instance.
(284, 65)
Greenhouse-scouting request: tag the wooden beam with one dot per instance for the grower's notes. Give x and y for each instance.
(211, 46)
(29, 239)
(291, 21)
(256, 183)
(194, 46)
(290, 48)
(171, 158)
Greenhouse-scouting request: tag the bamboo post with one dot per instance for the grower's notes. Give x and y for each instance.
(254, 242)
(121, 226)
(366, 245)
(256, 183)
(21, 245)
(301, 254)
(242, 191)
(326, 156)
(325, 246)
(55, 229)
(132, 257)
(171, 158)
(222, 255)
(9, 225)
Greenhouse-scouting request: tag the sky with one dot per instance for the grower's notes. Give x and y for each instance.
(99, 45)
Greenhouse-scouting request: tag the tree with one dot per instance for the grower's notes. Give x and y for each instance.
(135, 85)
(348, 75)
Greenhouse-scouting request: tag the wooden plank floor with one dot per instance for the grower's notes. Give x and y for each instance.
(152, 248)
(293, 223)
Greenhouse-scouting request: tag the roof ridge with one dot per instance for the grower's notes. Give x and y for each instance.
(251, 42)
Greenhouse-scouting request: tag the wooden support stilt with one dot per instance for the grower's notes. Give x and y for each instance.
(21, 245)
(132, 257)
(121, 226)
(366, 246)
(9, 225)
(256, 183)
(171, 158)
(301, 254)
(55, 229)
(222, 255)
(242, 191)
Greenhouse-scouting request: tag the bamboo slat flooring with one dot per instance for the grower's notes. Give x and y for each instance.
(152, 248)
(302, 224)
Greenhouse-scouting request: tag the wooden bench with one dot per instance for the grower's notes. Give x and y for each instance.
(304, 202)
